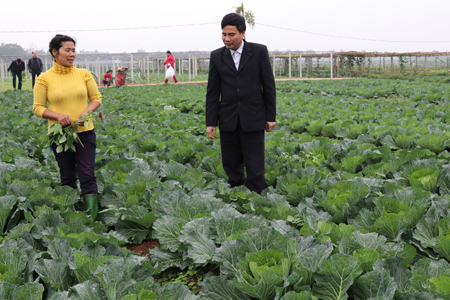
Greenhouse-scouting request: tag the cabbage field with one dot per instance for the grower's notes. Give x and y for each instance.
(357, 204)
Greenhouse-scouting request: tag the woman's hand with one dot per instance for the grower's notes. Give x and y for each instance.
(64, 120)
(81, 123)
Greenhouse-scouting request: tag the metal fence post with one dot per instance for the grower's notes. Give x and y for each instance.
(114, 66)
(273, 65)
(132, 68)
(98, 70)
(196, 66)
(2, 73)
(331, 64)
(290, 65)
(300, 64)
(189, 65)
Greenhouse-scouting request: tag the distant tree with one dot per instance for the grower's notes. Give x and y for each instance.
(12, 49)
(141, 50)
(90, 51)
(32, 47)
(248, 15)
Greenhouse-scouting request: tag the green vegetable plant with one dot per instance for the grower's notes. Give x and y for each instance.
(187, 277)
(261, 272)
(64, 137)
(356, 209)
(296, 222)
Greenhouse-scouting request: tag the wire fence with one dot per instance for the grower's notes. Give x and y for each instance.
(193, 66)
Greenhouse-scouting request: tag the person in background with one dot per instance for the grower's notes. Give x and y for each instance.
(66, 89)
(34, 67)
(17, 67)
(241, 99)
(170, 62)
(107, 79)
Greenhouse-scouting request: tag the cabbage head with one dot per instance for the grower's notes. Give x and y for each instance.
(434, 143)
(427, 179)
(260, 273)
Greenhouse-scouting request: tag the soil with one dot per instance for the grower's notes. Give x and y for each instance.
(190, 278)
(143, 248)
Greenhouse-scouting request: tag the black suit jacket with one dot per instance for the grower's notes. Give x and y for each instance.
(17, 68)
(247, 94)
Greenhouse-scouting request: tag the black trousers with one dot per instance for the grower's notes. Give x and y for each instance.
(243, 152)
(34, 74)
(81, 162)
(19, 76)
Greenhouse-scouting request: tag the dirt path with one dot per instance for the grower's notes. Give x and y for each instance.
(204, 83)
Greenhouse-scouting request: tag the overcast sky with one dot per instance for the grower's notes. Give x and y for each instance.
(393, 20)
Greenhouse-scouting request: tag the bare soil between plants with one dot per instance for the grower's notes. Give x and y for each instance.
(189, 277)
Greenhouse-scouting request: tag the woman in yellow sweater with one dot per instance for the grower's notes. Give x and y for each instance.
(66, 90)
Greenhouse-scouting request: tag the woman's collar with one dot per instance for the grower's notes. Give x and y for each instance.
(61, 69)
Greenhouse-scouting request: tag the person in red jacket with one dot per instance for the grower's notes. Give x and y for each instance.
(170, 62)
(107, 79)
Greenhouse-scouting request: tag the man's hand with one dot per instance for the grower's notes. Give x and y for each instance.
(270, 126)
(211, 130)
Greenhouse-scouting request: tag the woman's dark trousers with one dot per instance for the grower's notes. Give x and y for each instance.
(81, 162)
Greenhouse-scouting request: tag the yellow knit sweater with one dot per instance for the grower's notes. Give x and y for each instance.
(66, 90)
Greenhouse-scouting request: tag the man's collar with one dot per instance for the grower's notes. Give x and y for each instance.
(239, 50)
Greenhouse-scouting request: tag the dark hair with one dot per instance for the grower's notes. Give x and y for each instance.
(57, 41)
(109, 71)
(168, 52)
(234, 19)
(19, 60)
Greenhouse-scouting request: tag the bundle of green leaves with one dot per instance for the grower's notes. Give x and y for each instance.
(64, 137)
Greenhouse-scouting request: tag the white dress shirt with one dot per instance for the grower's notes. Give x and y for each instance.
(236, 55)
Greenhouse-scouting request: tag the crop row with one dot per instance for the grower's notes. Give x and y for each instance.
(356, 205)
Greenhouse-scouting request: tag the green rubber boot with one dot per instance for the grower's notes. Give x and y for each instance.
(92, 204)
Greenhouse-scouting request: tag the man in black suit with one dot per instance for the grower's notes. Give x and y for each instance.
(17, 67)
(241, 98)
(34, 67)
